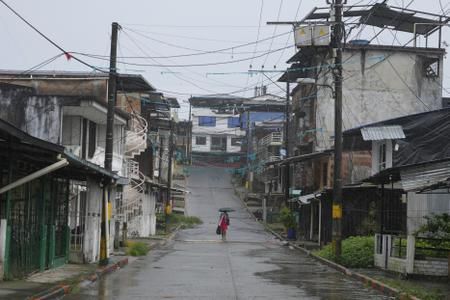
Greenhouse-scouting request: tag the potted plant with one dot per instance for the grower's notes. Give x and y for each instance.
(288, 219)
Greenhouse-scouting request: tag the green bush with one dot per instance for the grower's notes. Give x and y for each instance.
(287, 218)
(137, 248)
(174, 220)
(357, 252)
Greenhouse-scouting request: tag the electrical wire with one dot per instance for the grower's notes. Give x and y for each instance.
(49, 40)
(203, 52)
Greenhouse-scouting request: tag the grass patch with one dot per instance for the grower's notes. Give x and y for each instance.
(174, 220)
(412, 289)
(137, 248)
(357, 252)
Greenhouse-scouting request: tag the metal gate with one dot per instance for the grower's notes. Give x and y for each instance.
(26, 225)
(59, 229)
(77, 221)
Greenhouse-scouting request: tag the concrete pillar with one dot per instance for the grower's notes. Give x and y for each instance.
(311, 221)
(320, 223)
(410, 253)
(2, 240)
(264, 208)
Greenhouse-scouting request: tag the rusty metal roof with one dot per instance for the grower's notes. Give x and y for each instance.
(379, 133)
(385, 16)
(422, 176)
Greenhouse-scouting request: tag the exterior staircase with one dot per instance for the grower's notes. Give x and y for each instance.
(130, 209)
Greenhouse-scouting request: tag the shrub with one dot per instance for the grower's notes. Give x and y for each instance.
(137, 248)
(185, 222)
(287, 218)
(357, 252)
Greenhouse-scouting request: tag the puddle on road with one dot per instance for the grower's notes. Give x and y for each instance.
(316, 280)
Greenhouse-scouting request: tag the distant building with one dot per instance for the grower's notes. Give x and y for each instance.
(216, 124)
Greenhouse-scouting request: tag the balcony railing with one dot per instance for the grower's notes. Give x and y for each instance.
(272, 139)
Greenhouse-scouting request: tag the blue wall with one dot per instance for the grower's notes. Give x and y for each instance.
(261, 116)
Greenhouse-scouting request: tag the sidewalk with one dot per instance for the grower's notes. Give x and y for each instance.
(57, 279)
(54, 283)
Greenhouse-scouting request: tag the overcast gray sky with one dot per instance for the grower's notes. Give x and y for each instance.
(169, 28)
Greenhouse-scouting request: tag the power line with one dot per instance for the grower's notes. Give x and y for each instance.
(203, 52)
(49, 40)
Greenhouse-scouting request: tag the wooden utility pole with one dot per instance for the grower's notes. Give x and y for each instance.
(169, 171)
(338, 29)
(189, 134)
(112, 85)
(286, 139)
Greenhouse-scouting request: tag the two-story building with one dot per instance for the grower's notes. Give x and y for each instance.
(216, 130)
(379, 82)
(69, 109)
(50, 197)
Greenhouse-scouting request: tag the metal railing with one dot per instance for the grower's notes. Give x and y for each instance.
(424, 247)
(274, 138)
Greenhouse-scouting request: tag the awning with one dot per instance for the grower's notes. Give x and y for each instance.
(379, 133)
(300, 158)
(305, 199)
(423, 176)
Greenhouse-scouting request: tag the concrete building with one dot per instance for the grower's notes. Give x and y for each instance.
(379, 82)
(69, 108)
(216, 125)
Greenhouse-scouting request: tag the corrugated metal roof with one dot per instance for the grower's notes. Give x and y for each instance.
(420, 177)
(382, 133)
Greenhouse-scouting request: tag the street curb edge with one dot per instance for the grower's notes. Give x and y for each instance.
(60, 290)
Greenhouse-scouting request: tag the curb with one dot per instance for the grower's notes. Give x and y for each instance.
(62, 290)
(366, 280)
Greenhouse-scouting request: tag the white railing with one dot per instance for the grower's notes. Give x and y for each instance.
(136, 139)
(274, 138)
(132, 168)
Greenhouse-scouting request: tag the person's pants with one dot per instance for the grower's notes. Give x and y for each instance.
(224, 235)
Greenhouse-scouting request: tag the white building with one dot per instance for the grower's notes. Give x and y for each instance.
(216, 124)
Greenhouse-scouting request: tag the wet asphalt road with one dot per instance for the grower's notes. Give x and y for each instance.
(250, 265)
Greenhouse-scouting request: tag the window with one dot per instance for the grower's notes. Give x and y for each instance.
(92, 139)
(233, 122)
(382, 156)
(200, 140)
(431, 67)
(325, 174)
(236, 141)
(207, 121)
(218, 143)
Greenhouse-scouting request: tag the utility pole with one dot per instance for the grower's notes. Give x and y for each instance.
(338, 29)
(248, 151)
(286, 138)
(189, 134)
(112, 82)
(169, 171)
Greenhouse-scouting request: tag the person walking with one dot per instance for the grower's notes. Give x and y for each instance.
(224, 221)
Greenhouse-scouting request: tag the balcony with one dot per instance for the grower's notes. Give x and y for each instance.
(272, 139)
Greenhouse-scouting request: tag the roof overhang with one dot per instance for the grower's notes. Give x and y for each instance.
(125, 82)
(379, 133)
(415, 177)
(94, 111)
(301, 158)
